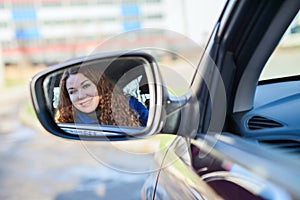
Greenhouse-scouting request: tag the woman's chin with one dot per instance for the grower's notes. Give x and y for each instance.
(87, 110)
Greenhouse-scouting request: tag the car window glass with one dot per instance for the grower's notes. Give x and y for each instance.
(285, 60)
(133, 88)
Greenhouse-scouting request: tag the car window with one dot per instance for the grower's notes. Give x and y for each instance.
(133, 88)
(284, 62)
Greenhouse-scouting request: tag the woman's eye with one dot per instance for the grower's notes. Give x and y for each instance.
(71, 92)
(86, 86)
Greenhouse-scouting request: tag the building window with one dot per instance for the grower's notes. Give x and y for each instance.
(2, 5)
(105, 2)
(152, 1)
(3, 25)
(79, 3)
(154, 16)
(22, 5)
(51, 3)
(108, 19)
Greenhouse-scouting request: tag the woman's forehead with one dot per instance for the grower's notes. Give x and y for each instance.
(76, 80)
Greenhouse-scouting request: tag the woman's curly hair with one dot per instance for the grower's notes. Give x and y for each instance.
(113, 108)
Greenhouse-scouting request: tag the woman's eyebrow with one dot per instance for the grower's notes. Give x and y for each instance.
(71, 88)
(82, 83)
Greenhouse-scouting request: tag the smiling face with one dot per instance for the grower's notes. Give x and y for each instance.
(83, 93)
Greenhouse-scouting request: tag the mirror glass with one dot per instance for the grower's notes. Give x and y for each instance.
(106, 96)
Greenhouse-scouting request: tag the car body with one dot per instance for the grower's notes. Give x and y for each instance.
(225, 127)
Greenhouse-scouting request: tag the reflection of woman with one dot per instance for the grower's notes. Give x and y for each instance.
(86, 98)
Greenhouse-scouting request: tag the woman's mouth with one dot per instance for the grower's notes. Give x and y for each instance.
(85, 102)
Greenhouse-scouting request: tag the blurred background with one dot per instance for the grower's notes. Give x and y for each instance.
(38, 33)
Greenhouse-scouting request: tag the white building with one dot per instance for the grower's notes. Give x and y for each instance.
(51, 30)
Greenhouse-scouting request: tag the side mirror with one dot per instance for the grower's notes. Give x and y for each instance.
(115, 96)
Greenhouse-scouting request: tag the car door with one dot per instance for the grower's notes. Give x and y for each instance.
(220, 160)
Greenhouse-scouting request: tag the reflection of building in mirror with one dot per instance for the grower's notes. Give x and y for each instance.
(87, 96)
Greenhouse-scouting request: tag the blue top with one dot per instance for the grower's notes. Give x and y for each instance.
(86, 118)
(141, 113)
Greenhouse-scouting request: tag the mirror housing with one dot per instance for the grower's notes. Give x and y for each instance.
(121, 68)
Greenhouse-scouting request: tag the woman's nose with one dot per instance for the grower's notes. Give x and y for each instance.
(81, 94)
